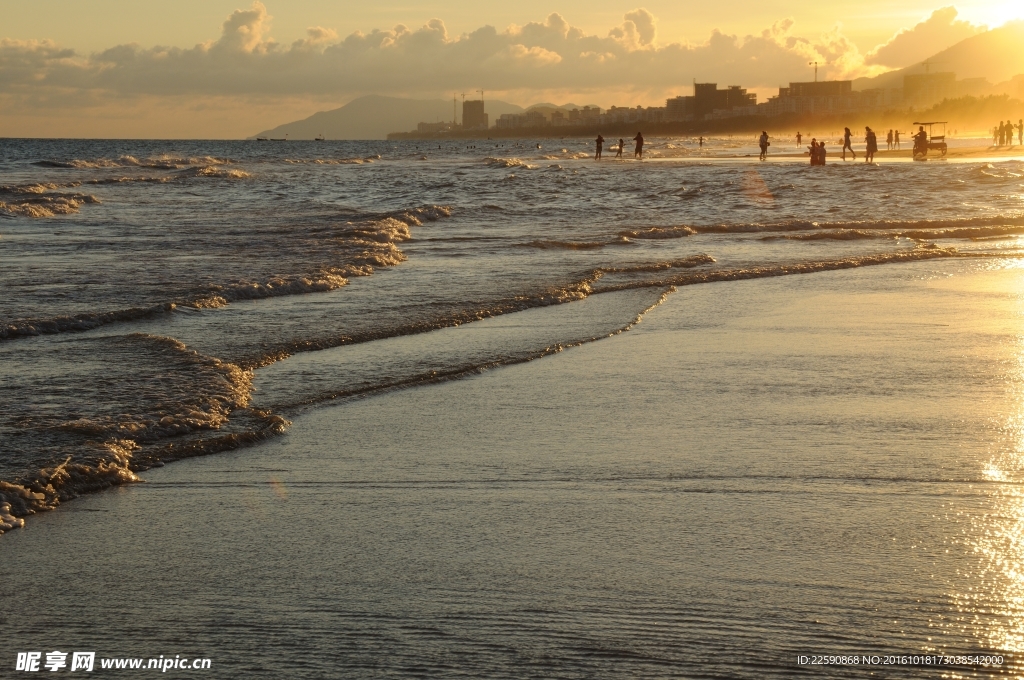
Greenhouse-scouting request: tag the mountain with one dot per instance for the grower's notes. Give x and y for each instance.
(553, 107)
(996, 55)
(374, 116)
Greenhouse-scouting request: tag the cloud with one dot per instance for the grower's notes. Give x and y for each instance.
(244, 30)
(911, 45)
(637, 29)
(541, 59)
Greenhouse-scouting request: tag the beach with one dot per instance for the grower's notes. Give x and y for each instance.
(757, 471)
(384, 410)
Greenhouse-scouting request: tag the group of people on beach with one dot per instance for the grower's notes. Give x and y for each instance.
(1002, 134)
(638, 152)
(870, 144)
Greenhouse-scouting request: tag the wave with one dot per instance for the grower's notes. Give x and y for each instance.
(768, 271)
(135, 443)
(457, 372)
(890, 225)
(78, 322)
(369, 244)
(333, 161)
(163, 162)
(36, 187)
(916, 234)
(658, 232)
(32, 204)
(173, 393)
(212, 171)
(196, 393)
(508, 163)
(574, 245)
(128, 446)
(577, 289)
(843, 235)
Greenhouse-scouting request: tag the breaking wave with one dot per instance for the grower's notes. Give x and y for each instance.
(38, 204)
(162, 414)
(508, 163)
(333, 161)
(367, 245)
(213, 171)
(658, 232)
(166, 162)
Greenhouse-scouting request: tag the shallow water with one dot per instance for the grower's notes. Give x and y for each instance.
(165, 300)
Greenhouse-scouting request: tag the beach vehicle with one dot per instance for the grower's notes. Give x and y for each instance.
(933, 142)
(319, 138)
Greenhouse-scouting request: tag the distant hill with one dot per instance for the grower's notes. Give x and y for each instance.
(996, 55)
(374, 116)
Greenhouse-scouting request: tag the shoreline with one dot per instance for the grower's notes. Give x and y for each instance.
(478, 531)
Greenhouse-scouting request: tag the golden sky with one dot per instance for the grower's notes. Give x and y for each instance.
(219, 68)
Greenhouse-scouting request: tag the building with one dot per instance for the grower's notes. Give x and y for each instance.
(816, 98)
(588, 115)
(433, 128)
(819, 88)
(707, 98)
(679, 109)
(473, 116)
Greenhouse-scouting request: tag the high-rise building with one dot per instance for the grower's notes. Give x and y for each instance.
(473, 116)
(707, 98)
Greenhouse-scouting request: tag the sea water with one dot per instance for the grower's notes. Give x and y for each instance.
(166, 300)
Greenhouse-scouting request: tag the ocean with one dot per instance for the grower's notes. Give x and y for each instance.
(688, 417)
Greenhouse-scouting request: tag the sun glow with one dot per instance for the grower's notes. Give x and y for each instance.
(992, 13)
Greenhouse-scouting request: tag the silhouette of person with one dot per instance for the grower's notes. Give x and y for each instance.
(600, 144)
(622, 144)
(888, 141)
(1009, 132)
(896, 139)
(639, 151)
(872, 144)
(799, 137)
(764, 144)
(846, 143)
(921, 141)
(1020, 131)
(701, 141)
(814, 151)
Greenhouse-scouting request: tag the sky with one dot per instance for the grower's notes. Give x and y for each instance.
(223, 68)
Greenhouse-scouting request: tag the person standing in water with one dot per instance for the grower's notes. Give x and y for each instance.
(764, 143)
(872, 144)
(888, 141)
(846, 143)
(799, 137)
(700, 142)
(600, 144)
(622, 145)
(1020, 132)
(639, 151)
(896, 139)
